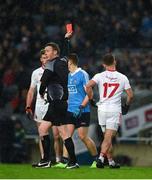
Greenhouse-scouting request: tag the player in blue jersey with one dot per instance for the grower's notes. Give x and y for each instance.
(78, 115)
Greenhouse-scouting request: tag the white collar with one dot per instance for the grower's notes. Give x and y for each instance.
(77, 70)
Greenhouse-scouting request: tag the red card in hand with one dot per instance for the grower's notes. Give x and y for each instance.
(69, 28)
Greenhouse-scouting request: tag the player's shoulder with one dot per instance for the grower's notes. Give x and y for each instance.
(82, 71)
(100, 74)
(123, 76)
(97, 76)
(38, 70)
(83, 74)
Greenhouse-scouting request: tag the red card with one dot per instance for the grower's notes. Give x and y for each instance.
(69, 27)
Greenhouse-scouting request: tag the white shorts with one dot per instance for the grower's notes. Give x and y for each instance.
(40, 111)
(109, 120)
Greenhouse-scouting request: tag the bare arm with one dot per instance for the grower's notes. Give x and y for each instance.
(85, 101)
(125, 108)
(89, 87)
(30, 95)
(129, 96)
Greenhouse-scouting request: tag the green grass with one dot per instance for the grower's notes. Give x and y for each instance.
(84, 172)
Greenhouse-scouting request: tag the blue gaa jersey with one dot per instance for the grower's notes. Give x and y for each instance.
(76, 88)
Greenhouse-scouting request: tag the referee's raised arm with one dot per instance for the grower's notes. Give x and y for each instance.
(66, 44)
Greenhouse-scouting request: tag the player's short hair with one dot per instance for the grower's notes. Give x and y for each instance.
(55, 46)
(108, 59)
(42, 51)
(73, 57)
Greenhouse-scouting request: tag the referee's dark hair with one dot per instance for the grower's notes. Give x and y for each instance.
(73, 58)
(108, 59)
(55, 46)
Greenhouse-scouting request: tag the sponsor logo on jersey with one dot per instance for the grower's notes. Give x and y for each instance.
(72, 89)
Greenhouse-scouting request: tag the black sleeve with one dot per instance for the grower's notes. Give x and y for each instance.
(66, 47)
(61, 70)
(44, 81)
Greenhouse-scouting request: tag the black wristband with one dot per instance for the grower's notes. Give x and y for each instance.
(93, 103)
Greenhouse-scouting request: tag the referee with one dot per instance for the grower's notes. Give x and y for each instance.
(55, 79)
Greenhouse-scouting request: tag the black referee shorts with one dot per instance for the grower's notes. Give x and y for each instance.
(56, 113)
(82, 121)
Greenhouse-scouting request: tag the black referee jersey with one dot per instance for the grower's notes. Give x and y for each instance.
(55, 79)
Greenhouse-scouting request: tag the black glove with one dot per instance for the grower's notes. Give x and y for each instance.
(78, 112)
(125, 109)
(93, 103)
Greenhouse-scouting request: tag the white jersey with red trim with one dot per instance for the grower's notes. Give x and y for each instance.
(35, 83)
(111, 85)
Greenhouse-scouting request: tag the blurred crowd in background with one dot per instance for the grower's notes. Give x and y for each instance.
(123, 27)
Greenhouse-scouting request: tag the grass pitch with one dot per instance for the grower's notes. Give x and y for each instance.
(84, 172)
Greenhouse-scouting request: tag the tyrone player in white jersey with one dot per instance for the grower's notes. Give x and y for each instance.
(111, 85)
(41, 107)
